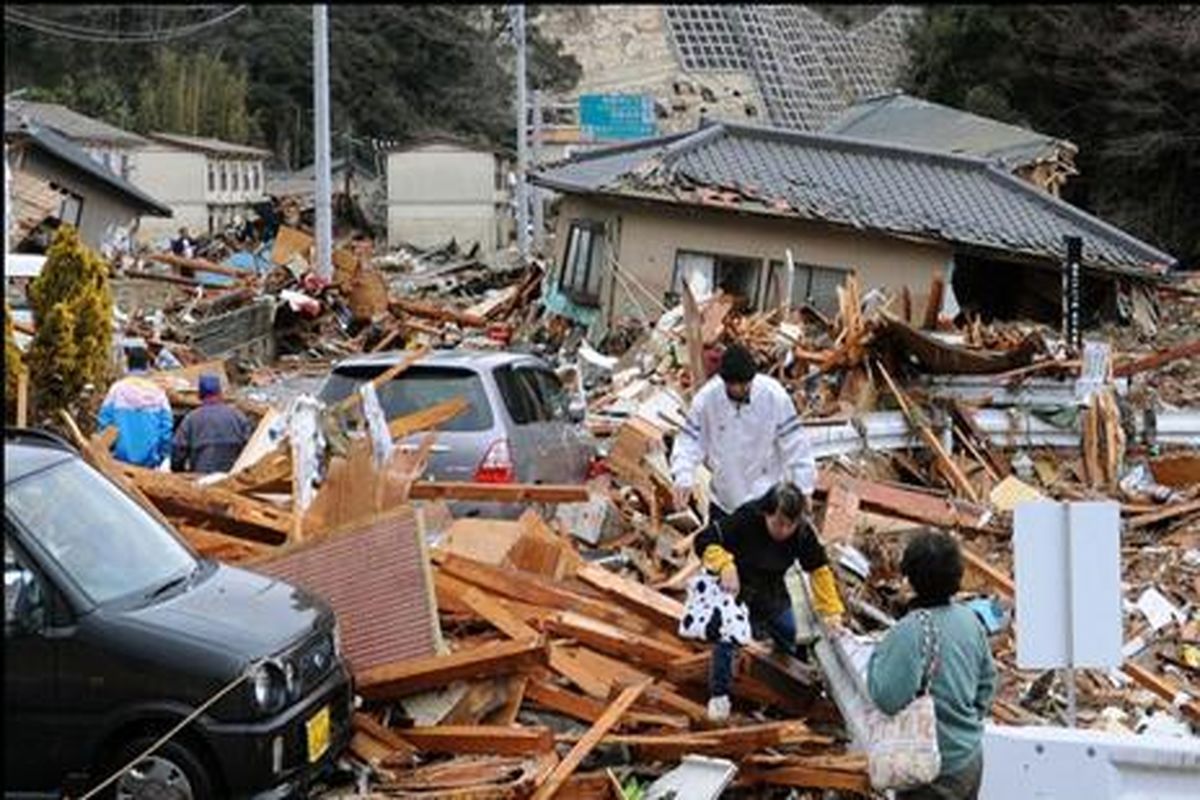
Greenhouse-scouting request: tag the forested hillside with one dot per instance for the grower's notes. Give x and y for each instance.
(395, 70)
(1122, 82)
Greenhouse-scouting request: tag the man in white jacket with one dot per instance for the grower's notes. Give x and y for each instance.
(745, 428)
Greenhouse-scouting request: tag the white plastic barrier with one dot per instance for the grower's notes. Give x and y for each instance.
(1043, 763)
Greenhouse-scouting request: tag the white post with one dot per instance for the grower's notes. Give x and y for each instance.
(786, 303)
(7, 200)
(539, 206)
(522, 135)
(324, 222)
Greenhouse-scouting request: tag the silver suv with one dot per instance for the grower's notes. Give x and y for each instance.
(521, 425)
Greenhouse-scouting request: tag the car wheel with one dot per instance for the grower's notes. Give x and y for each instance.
(172, 772)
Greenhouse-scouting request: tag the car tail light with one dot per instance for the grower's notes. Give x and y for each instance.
(497, 465)
(597, 467)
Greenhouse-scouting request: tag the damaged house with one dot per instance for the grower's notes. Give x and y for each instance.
(55, 180)
(723, 205)
(1045, 161)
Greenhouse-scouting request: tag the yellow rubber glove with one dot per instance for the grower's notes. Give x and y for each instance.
(826, 600)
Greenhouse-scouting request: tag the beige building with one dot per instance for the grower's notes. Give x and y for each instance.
(721, 206)
(206, 182)
(443, 188)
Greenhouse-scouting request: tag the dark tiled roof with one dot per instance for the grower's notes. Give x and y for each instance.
(901, 119)
(75, 126)
(67, 151)
(869, 185)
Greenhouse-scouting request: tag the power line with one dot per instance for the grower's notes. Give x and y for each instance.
(81, 33)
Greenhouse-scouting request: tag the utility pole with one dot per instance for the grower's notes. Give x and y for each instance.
(522, 135)
(324, 229)
(539, 204)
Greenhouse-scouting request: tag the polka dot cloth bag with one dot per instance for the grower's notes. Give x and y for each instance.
(712, 614)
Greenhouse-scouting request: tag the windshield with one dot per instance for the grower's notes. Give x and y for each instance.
(417, 389)
(105, 542)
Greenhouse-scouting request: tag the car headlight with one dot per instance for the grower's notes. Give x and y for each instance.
(337, 642)
(268, 687)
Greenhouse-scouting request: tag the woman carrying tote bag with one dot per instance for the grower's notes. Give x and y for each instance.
(963, 680)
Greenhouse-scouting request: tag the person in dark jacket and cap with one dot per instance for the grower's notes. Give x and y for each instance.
(211, 437)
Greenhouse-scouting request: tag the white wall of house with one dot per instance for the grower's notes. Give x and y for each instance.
(180, 178)
(439, 191)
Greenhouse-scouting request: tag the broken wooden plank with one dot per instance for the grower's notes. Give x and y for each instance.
(1156, 360)
(948, 465)
(614, 641)
(725, 742)
(566, 663)
(841, 514)
(400, 750)
(585, 745)
(1172, 511)
(965, 417)
(664, 610)
(199, 265)
(918, 506)
(496, 614)
(437, 313)
(933, 306)
(501, 740)
(389, 681)
(256, 520)
(499, 492)
(694, 338)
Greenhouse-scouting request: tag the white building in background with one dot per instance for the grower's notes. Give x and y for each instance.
(441, 188)
(206, 182)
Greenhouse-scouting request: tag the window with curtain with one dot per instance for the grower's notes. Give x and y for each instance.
(584, 263)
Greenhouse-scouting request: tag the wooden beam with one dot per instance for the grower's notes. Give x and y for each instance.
(949, 468)
(499, 740)
(499, 492)
(664, 610)
(199, 265)
(427, 418)
(1168, 512)
(841, 514)
(1155, 360)
(531, 590)
(379, 380)
(495, 613)
(401, 751)
(389, 681)
(416, 308)
(23, 398)
(726, 742)
(585, 745)
(614, 641)
(262, 521)
(918, 506)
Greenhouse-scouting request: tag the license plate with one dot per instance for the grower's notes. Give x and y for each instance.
(318, 734)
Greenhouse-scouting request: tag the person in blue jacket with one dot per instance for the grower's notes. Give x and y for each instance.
(141, 413)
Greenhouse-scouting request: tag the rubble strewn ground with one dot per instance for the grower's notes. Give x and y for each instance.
(559, 666)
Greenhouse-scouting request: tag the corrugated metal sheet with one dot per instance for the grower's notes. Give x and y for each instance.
(374, 579)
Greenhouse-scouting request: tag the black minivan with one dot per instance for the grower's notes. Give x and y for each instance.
(115, 631)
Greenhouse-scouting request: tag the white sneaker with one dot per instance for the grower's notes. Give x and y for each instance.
(718, 708)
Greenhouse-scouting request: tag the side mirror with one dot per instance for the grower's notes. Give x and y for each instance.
(24, 611)
(577, 409)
